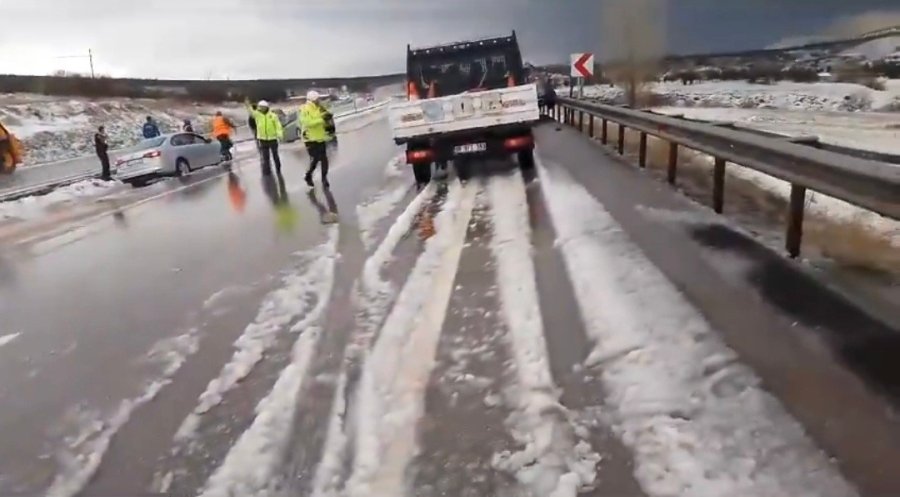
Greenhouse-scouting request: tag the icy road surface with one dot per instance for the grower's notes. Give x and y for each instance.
(504, 338)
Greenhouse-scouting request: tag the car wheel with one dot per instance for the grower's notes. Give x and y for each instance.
(182, 168)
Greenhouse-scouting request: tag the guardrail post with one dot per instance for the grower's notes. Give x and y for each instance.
(604, 131)
(580, 121)
(591, 125)
(795, 220)
(621, 139)
(719, 185)
(673, 162)
(642, 159)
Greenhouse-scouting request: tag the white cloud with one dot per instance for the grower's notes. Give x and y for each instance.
(233, 38)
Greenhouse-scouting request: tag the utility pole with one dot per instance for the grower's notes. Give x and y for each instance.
(91, 59)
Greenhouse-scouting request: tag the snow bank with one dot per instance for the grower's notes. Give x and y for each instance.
(280, 307)
(392, 386)
(251, 466)
(553, 461)
(53, 129)
(35, 205)
(696, 420)
(780, 95)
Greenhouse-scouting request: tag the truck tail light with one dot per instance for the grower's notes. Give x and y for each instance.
(419, 156)
(518, 142)
(412, 92)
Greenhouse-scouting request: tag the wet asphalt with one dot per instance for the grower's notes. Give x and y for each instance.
(90, 303)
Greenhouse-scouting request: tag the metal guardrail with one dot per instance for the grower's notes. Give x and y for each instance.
(868, 184)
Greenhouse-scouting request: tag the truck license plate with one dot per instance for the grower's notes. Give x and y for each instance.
(470, 148)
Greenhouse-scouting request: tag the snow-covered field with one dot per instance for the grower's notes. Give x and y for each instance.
(874, 131)
(56, 128)
(782, 95)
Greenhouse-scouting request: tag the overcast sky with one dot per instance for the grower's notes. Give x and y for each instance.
(314, 38)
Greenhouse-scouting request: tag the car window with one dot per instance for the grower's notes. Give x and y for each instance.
(181, 140)
(197, 139)
(147, 144)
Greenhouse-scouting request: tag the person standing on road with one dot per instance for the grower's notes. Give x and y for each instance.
(150, 130)
(187, 127)
(101, 146)
(318, 128)
(222, 128)
(268, 133)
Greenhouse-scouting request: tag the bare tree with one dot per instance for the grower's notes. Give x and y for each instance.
(634, 37)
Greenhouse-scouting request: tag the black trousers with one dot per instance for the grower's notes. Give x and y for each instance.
(225, 146)
(267, 147)
(104, 164)
(318, 154)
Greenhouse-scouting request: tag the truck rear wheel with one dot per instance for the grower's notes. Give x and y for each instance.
(526, 160)
(422, 172)
(463, 169)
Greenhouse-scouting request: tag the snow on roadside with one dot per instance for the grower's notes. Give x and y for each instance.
(873, 131)
(391, 391)
(35, 205)
(300, 288)
(55, 128)
(84, 452)
(6, 339)
(553, 461)
(696, 420)
(780, 95)
(252, 464)
(377, 208)
(824, 206)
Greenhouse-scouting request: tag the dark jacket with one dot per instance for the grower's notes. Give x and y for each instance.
(549, 95)
(187, 128)
(100, 144)
(151, 130)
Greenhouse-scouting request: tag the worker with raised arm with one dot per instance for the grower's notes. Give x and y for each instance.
(268, 133)
(317, 125)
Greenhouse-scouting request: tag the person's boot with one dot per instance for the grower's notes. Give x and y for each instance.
(309, 180)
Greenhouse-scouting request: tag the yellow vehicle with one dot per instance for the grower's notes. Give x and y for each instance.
(11, 151)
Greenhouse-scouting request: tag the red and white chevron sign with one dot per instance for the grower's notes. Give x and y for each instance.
(582, 65)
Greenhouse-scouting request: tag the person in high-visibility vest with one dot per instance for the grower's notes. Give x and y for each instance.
(222, 128)
(318, 129)
(268, 132)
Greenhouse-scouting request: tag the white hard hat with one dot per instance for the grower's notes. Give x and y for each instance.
(312, 95)
(262, 103)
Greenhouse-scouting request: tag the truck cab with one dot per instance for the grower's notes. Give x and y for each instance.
(466, 101)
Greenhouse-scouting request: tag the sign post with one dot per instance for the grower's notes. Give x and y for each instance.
(581, 67)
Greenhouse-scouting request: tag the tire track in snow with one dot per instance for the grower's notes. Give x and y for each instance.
(83, 454)
(390, 396)
(555, 460)
(253, 464)
(320, 453)
(464, 421)
(303, 293)
(696, 421)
